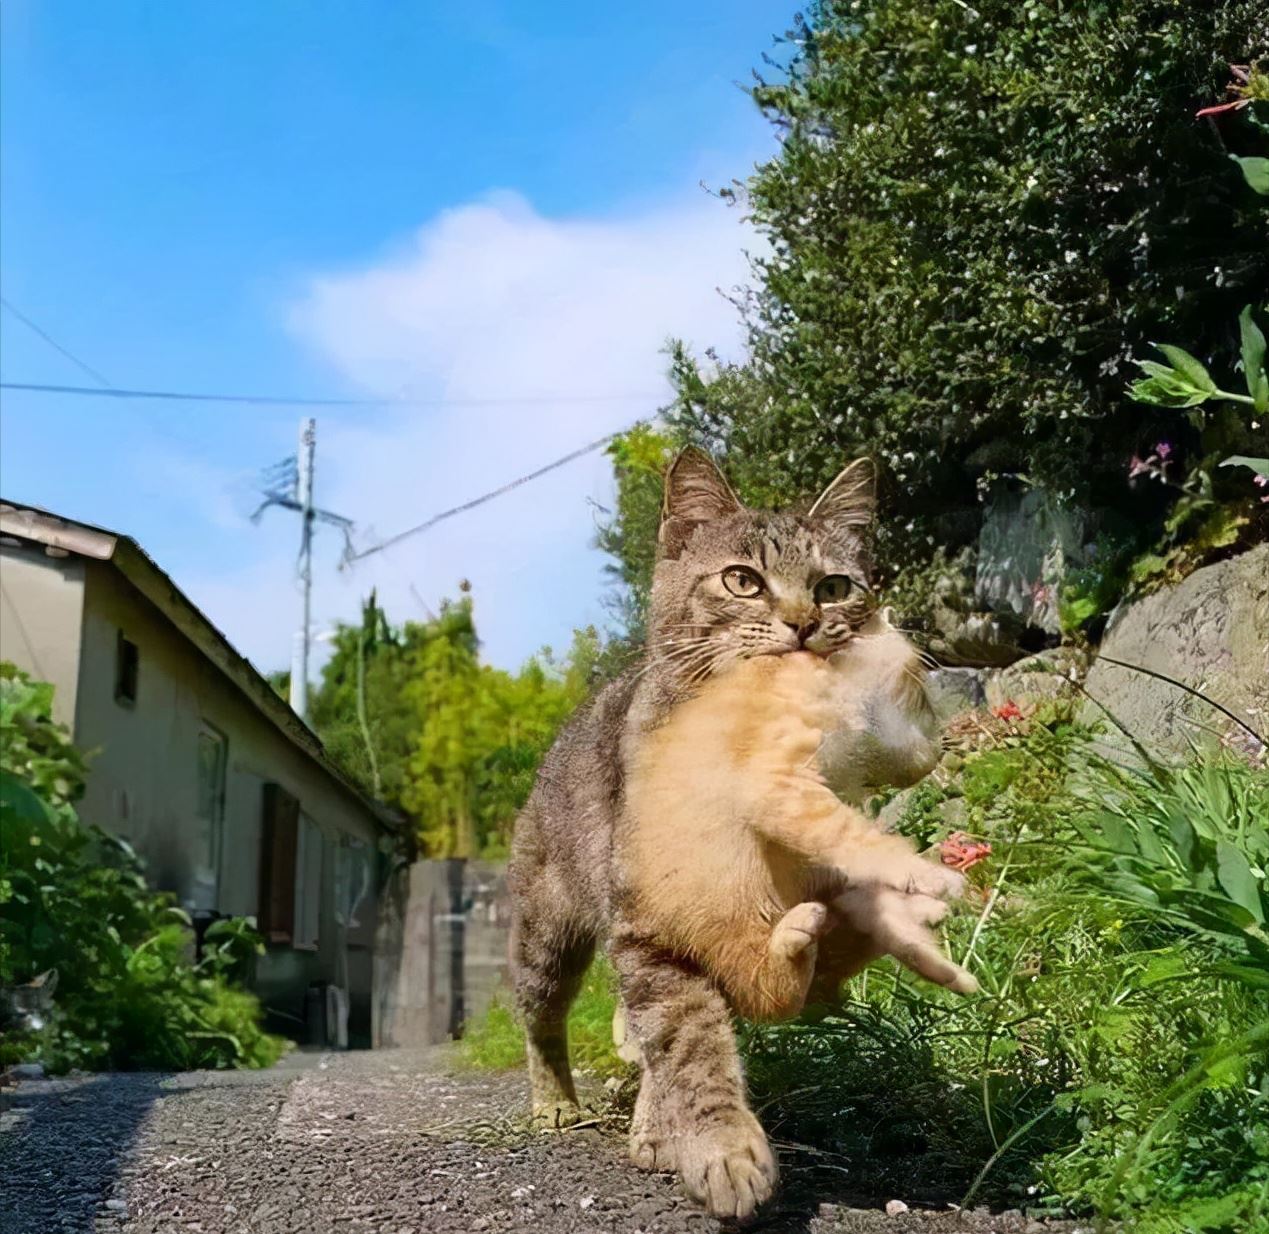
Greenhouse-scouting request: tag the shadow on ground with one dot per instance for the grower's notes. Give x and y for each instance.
(62, 1144)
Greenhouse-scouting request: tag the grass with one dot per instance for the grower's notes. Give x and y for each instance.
(1117, 1059)
(495, 1041)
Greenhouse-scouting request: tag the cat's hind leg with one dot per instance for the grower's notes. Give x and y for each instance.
(549, 957)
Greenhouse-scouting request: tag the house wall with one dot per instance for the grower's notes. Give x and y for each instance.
(41, 612)
(144, 786)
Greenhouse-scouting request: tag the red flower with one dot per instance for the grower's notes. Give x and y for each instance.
(960, 852)
(1008, 710)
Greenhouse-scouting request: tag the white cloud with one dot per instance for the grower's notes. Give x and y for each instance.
(490, 304)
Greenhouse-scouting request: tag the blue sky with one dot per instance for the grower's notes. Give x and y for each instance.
(343, 200)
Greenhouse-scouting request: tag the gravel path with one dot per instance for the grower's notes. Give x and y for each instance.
(383, 1142)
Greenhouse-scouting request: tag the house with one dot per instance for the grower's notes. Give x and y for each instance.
(200, 765)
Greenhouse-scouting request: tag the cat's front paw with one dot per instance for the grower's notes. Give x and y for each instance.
(728, 1166)
(927, 878)
(900, 869)
(556, 1115)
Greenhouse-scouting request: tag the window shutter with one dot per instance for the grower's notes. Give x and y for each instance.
(278, 843)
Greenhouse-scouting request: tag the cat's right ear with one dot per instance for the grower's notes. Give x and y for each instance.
(695, 492)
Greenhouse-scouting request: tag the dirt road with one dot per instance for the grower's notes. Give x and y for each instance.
(387, 1142)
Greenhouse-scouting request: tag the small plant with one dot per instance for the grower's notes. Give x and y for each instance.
(495, 1040)
(1199, 523)
(75, 908)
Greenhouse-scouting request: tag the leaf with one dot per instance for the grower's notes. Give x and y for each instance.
(1163, 388)
(1255, 172)
(1238, 881)
(1192, 370)
(1259, 465)
(19, 798)
(1253, 355)
(1244, 973)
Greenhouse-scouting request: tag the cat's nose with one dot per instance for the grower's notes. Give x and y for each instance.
(803, 630)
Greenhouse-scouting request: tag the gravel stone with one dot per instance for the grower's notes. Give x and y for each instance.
(385, 1142)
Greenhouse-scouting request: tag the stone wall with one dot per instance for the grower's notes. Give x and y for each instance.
(441, 949)
(1210, 632)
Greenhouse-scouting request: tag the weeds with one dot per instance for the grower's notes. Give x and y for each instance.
(75, 910)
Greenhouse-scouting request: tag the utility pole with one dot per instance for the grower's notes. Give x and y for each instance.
(304, 496)
(289, 484)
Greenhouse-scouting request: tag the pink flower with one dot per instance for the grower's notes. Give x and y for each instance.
(1236, 105)
(1138, 467)
(960, 852)
(1163, 449)
(1241, 74)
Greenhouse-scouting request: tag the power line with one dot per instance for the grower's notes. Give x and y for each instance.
(186, 396)
(597, 444)
(56, 346)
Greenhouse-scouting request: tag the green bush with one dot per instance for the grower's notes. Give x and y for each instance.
(73, 901)
(978, 214)
(1116, 1060)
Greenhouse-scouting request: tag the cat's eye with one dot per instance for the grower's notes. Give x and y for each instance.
(833, 589)
(742, 582)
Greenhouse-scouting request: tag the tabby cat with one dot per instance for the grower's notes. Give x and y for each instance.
(730, 585)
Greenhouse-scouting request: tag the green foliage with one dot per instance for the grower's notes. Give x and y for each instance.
(495, 1042)
(640, 458)
(977, 215)
(1116, 1060)
(73, 901)
(1198, 525)
(1191, 848)
(479, 733)
(415, 719)
(359, 710)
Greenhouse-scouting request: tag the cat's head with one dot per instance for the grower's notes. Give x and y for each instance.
(732, 582)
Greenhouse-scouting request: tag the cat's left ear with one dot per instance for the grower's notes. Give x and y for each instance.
(850, 502)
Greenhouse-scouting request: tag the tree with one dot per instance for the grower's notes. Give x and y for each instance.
(977, 215)
(414, 718)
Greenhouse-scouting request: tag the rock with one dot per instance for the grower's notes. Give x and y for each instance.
(27, 1071)
(1210, 632)
(1048, 677)
(895, 1208)
(1027, 543)
(953, 690)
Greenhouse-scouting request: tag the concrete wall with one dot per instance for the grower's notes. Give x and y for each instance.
(144, 787)
(441, 949)
(41, 612)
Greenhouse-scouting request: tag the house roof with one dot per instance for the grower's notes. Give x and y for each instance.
(64, 535)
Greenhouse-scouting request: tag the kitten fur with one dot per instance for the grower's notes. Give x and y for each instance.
(734, 830)
(575, 863)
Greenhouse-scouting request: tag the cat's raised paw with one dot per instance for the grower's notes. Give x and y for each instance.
(728, 1166)
(799, 929)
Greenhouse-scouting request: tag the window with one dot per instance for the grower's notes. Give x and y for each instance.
(209, 811)
(127, 660)
(279, 836)
(354, 875)
(308, 884)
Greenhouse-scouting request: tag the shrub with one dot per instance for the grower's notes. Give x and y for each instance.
(73, 901)
(978, 214)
